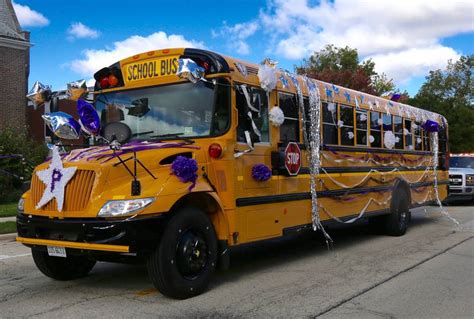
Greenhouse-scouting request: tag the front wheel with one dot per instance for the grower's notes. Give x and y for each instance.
(185, 259)
(59, 268)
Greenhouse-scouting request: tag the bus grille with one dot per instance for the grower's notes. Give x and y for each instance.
(77, 194)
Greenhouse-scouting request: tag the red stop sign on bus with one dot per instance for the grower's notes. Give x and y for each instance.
(292, 158)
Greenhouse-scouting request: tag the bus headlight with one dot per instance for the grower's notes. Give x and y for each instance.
(116, 208)
(21, 205)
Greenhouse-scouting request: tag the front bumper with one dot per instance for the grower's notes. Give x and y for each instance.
(461, 192)
(137, 235)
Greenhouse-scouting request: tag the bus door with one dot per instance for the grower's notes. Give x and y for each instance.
(293, 186)
(254, 218)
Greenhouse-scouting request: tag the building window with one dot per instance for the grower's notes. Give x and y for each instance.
(329, 123)
(398, 126)
(252, 107)
(408, 135)
(375, 129)
(290, 129)
(361, 125)
(346, 124)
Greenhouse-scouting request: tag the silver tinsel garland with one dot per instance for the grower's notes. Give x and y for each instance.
(312, 140)
(435, 148)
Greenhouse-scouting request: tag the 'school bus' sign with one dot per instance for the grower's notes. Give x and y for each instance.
(149, 69)
(292, 158)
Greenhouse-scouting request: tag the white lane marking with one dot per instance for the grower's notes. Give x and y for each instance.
(2, 257)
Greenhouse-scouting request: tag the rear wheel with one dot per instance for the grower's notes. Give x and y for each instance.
(396, 223)
(60, 268)
(185, 259)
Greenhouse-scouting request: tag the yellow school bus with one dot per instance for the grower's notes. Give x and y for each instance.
(218, 161)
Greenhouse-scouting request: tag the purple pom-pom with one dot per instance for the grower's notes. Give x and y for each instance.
(261, 172)
(185, 169)
(430, 126)
(396, 97)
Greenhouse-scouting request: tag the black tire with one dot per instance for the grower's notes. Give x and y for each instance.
(59, 268)
(376, 224)
(396, 223)
(185, 259)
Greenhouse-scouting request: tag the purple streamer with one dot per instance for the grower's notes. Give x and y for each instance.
(105, 154)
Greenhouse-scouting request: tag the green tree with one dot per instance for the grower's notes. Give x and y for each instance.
(342, 66)
(450, 92)
(15, 169)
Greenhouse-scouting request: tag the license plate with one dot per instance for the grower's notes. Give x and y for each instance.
(57, 251)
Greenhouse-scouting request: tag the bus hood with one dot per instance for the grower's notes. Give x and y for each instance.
(103, 174)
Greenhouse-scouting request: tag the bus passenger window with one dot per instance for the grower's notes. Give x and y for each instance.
(398, 125)
(329, 123)
(252, 107)
(418, 141)
(375, 129)
(290, 129)
(387, 123)
(347, 128)
(361, 124)
(408, 135)
(442, 139)
(426, 140)
(306, 112)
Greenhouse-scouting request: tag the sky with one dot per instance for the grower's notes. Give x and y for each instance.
(406, 39)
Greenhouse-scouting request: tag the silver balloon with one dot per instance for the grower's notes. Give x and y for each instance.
(188, 69)
(63, 125)
(39, 94)
(76, 89)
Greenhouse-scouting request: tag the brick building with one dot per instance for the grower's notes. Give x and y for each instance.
(14, 68)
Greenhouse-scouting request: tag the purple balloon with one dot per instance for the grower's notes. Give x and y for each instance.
(88, 117)
(430, 126)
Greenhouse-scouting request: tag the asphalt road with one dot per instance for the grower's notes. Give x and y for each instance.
(428, 273)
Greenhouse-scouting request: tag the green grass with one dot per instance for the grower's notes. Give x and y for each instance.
(7, 210)
(7, 227)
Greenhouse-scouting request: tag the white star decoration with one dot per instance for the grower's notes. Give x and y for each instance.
(55, 177)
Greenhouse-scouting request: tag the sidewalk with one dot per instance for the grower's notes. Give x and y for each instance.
(8, 236)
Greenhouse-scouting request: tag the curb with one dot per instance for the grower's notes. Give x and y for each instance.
(7, 219)
(8, 237)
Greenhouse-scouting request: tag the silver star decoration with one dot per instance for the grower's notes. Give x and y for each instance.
(56, 178)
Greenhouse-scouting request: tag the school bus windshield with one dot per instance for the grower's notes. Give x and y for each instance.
(183, 109)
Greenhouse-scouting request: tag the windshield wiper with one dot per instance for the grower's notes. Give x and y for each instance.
(143, 133)
(171, 136)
